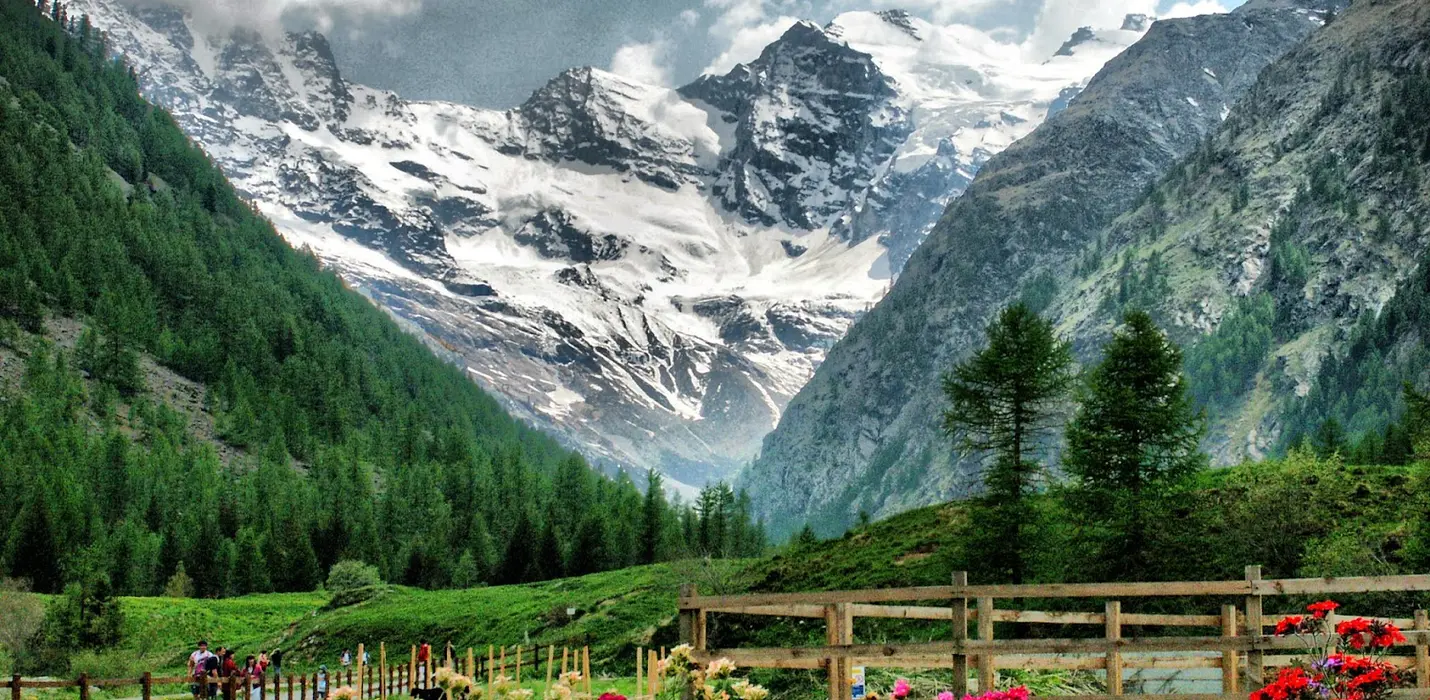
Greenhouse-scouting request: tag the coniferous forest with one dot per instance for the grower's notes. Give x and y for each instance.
(349, 439)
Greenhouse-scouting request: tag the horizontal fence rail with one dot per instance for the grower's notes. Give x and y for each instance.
(1239, 646)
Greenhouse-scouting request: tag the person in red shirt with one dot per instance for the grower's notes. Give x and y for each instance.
(424, 653)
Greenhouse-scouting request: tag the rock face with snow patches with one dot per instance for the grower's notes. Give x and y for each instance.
(864, 433)
(650, 273)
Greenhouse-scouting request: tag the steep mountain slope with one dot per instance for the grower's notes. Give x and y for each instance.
(342, 435)
(652, 273)
(1286, 234)
(863, 434)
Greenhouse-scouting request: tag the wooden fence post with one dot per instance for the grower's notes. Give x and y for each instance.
(960, 635)
(1229, 657)
(382, 684)
(687, 629)
(653, 664)
(1255, 661)
(987, 677)
(550, 658)
(1113, 626)
(303, 687)
(146, 683)
(586, 669)
(640, 652)
(15, 687)
(289, 677)
(490, 658)
(1422, 651)
(84, 686)
(839, 631)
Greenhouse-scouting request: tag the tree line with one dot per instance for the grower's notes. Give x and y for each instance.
(350, 439)
(1126, 434)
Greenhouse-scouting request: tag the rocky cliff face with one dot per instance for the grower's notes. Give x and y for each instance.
(650, 273)
(863, 434)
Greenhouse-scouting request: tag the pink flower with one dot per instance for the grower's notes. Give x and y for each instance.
(901, 688)
(945, 695)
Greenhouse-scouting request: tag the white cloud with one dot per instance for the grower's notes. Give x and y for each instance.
(268, 15)
(1191, 9)
(643, 62)
(744, 44)
(1058, 19)
(743, 28)
(689, 18)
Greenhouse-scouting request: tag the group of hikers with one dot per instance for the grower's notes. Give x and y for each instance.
(210, 670)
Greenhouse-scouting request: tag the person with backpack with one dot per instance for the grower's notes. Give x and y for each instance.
(320, 686)
(198, 666)
(211, 674)
(276, 660)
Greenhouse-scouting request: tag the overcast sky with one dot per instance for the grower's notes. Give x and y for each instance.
(493, 53)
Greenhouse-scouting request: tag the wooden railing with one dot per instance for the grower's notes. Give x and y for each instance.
(1239, 645)
(371, 681)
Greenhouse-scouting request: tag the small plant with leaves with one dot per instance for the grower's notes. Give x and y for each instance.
(1328, 674)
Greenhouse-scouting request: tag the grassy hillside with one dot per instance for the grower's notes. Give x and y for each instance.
(1301, 516)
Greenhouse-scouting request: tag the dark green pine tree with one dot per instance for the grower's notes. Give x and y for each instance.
(1329, 438)
(550, 561)
(520, 554)
(31, 550)
(590, 554)
(652, 518)
(1005, 402)
(1134, 438)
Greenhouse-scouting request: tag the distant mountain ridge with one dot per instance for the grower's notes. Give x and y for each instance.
(650, 273)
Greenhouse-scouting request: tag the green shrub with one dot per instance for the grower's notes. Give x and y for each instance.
(350, 575)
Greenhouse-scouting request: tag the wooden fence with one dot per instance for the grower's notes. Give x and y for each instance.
(378, 681)
(1238, 645)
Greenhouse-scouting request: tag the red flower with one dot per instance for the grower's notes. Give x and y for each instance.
(1289, 625)
(1386, 635)
(1323, 608)
(611, 696)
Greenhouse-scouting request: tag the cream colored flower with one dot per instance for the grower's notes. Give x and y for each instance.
(520, 694)
(719, 668)
(346, 692)
(746, 690)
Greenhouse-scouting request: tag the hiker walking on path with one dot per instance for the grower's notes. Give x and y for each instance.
(275, 659)
(320, 689)
(346, 659)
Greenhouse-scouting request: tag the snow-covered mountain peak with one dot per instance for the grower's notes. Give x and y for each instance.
(650, 272)
(602, 119)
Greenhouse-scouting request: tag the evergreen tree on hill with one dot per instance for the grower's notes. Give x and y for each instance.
(1134, 437)
(1005, 402)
